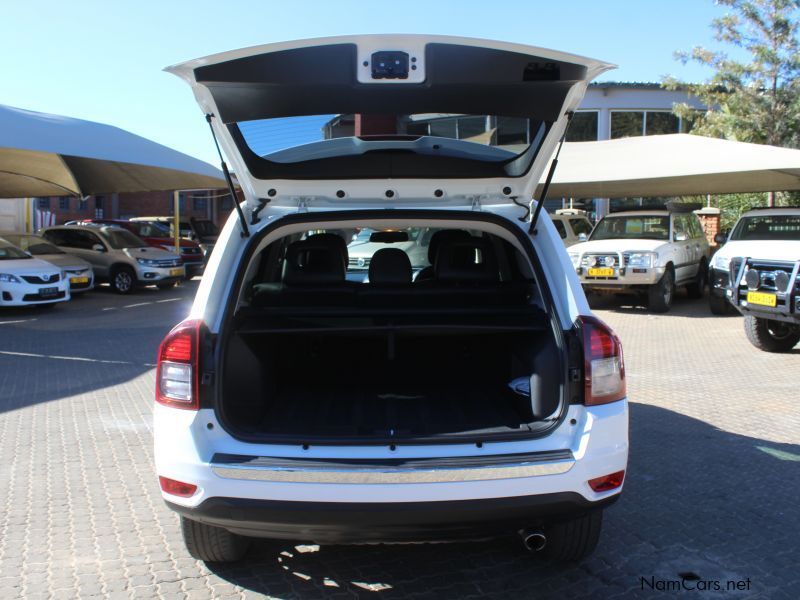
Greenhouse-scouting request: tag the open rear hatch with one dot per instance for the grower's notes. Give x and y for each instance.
(393, 119)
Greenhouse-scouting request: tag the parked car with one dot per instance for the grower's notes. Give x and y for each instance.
(573, 228)
(77, 271)
(488, 400)
(649, 252)
(118, 256)
(26, 281)
(157, 235)
(756, 271)
(413, 243)
(202, 231)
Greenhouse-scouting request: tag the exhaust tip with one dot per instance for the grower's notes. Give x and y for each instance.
(534, 540)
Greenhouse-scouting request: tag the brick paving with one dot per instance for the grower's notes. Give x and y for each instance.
(712, 486)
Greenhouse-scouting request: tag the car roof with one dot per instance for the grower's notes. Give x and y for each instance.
(775, 210)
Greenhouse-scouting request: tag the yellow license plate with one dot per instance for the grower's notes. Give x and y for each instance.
(762, 299)
(176, 272)
(604, 272)
(79, 280)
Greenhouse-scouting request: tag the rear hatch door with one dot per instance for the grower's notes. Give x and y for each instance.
(389, 120)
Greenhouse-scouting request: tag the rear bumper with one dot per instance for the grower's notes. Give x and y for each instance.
(345, 522)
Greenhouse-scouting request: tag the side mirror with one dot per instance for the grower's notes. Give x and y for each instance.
(720, 238)
(681, 236)
(582, 237)
(98, 248)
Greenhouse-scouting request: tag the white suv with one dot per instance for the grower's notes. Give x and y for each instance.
(649, 252)
(758, 272)
(481, 399)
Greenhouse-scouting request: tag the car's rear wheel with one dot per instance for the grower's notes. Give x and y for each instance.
(575, 539)
(719, 305)
(771, 336)
(123, 280)
(661, 294)
(697, 288)
(213, 544)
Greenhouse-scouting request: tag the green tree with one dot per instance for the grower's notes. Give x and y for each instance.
(756, 99)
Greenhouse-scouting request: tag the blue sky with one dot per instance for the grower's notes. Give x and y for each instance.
(103, 61)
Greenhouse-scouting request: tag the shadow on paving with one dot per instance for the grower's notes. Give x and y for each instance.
(698, 501)
(682, 306)
(94, 341)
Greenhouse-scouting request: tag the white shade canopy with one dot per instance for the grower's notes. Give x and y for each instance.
(45, 155)
(672, 165)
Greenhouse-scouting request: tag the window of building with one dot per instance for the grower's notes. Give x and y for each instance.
(63, 203)
(181, 204)
(226, 203)
(43, 203)
(658, 123)
(98, 206)
(200, 203)
(583, 127)
(626, 123)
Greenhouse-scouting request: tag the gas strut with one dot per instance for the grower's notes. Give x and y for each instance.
(550, 173)
(242, 220)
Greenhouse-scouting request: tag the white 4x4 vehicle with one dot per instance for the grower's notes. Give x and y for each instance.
(483, 399)
(645, 251)
(757, 272)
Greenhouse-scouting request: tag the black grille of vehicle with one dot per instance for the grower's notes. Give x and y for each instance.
(170, 262)
(38, 298)
(40, 279)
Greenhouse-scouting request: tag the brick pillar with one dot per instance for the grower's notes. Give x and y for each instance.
(711, 220)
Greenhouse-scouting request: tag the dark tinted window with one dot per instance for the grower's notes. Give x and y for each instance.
(580, 226)
(661, 123)
(562, 231)
(633, 227)
(626, 124)
(121, 238)
(768, 227)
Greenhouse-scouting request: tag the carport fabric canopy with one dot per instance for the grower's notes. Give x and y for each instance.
(47, 155)
(672, 165)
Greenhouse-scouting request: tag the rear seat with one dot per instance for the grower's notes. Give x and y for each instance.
(466, 276)
(313, 275)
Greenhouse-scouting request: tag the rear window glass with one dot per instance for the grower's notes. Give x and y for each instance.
(768, 227)
(487, 138)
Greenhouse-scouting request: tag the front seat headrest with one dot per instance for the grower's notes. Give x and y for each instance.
(390, 266)
(467, 261)
(320, 258)
(442, 236)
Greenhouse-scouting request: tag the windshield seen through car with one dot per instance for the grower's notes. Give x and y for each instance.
(632, 227)
(768, 227)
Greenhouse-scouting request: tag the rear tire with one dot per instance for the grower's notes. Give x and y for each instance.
(718, 305)
(123, 280)
(213, 544)
(661, 294)
(771, 336)
(575, 539)
(697, 288)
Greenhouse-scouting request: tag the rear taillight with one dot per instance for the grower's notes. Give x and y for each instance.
(179, 366)
(607, 482)
(603, 364)
(177, 488)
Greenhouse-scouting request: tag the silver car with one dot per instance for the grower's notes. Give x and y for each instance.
(118, 256)
(78, 271)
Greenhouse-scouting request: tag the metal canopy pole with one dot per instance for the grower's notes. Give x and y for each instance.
(176, 221)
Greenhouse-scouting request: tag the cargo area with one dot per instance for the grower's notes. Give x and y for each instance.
(316, 356)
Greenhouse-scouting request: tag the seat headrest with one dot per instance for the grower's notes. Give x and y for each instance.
(390, 266)
(320, 258)
(444, 235)
(468, 261)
